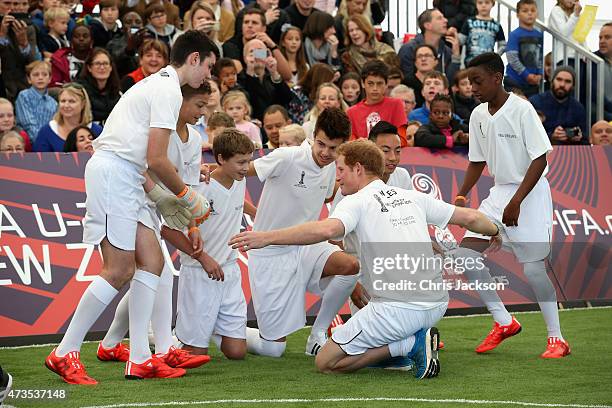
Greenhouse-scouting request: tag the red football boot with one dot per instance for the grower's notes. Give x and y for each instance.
(152, 368)
(179, 358)
(556, 348)
(118, 353)
(498, 334)
(69, 368)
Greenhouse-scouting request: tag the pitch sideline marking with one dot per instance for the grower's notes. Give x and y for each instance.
(304, 400)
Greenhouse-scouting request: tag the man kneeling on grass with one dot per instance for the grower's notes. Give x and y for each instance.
(390, 223)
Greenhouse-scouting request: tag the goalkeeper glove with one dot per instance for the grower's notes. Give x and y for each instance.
(197, 204)
(175, 212)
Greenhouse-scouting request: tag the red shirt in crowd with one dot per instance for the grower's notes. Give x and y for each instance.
(363, 117)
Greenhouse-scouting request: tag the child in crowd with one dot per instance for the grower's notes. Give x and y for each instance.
(442, 131)
(434, 83)
(407, 132)
(7, 122)
(524, 51)
(34, 107)
(291, 47)
(236, 105)
(56, 22)
(291, 135)
(105, 27)
(350, 85)
(217, 123)
(480, 33)
(157, 23)
(462, 96)
(227, 74)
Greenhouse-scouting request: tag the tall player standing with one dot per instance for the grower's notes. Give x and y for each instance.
(507, 136)
(135, 138)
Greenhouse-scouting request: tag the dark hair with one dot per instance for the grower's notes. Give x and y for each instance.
(108, 3)
(335, 123)
(525, 3)
(189, 92)
(223, 63)
(276, 108)
(418, 47)
(189, 42)
(300, 57)
(382, 128)
(318, 22)
(375, 68)
(397, 72)
(155, 7)
(316, 75)
(460, 76)
(354, 76)
(442, 98)
(490, 61)
(71, 139)
(424, 18)
(231, 142)
(113, 84)
(257, 11)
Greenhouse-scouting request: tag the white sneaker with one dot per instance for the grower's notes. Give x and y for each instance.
(314, 343)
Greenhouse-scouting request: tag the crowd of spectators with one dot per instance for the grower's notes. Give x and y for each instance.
(64, 66)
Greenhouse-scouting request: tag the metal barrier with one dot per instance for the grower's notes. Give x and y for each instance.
(402, 18)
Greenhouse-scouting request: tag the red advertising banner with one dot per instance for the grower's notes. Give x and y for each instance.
(44, 266)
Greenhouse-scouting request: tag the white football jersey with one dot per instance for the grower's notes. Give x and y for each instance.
(379, 214)
(154, 102)
(226, 209)
(295, 187)
(509, 140)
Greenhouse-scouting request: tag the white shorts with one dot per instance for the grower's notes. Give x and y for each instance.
(114, 197)
(206, 307)
(530, 240)
(148, 217)
(379, 324)
(279, 281)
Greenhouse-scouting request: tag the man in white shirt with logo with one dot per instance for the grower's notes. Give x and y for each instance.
(396, 322)
(135, 140)
(507, 136)
(298, 180)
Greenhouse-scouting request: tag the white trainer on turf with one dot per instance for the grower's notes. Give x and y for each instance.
(315, 343)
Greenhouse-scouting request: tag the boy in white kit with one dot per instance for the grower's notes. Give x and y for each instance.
(395, 322)
(185, 154)
(214, 305)
(298, 180)
(135, 140)
(507, 136)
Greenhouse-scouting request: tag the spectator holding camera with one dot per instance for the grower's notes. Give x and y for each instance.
(565, 117)
(17, 49)
(201, 17)
(261, 79)
(124, 46)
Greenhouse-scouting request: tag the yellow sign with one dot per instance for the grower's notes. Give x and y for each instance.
(585, 23)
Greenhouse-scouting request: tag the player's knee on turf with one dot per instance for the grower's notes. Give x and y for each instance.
(236, 350)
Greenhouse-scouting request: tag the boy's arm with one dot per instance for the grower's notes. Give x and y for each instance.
(533, 175)
(303, 234)
(472, 174)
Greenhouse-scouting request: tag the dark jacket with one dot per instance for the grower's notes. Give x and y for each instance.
(456, 11)
(126, 60)
(431, 136)
(13, 63)
(261, 93)
(568, 113)
(100, 35)
(464, 106)
(102, 103)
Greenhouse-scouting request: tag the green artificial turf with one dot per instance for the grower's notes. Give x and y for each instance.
(513, 372)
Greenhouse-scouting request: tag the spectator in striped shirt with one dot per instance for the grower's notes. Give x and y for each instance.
(34, 106)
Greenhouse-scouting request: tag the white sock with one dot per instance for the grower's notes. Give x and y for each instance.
(402, 347)
(263, 347)
(161, 319)
(120, 324)
(97, 296)
(545, 294)
(142, 296)
(489, 297)
(335, 295)
(218, 339)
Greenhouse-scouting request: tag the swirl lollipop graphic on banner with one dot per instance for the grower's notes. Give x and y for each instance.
(425, 184)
